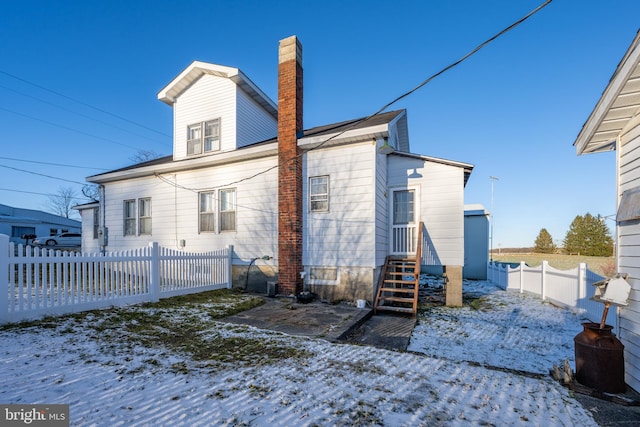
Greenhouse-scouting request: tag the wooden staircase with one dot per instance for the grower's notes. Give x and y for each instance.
(399, 283)
(398, 290)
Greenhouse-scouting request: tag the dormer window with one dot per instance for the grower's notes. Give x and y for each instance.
(203, 137)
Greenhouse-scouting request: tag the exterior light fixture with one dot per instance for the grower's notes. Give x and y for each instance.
(386, 148)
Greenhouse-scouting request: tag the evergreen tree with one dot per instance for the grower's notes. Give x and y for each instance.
(544, 243)
(590, 236)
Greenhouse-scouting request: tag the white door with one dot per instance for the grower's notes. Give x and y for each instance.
(404, 221)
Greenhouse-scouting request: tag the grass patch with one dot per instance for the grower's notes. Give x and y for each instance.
(186, 324)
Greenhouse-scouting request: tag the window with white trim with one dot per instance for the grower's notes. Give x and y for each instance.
(96, 222)
(144, 216)
(227, 219)
(203, 137)
(319, 194)
(129, 214)
(207, 212)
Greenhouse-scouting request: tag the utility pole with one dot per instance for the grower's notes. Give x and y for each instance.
(493, 179)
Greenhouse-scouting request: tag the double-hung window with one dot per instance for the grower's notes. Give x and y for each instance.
(203, 137)
(129, 217)
(319, 194)
(228, 209)
(207, 212)
(144, 216)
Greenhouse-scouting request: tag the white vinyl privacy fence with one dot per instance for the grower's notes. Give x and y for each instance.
(568, 288)
(44, 282)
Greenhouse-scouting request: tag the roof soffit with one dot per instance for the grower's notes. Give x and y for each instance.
(618, 105)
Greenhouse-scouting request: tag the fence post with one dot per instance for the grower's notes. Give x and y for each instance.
(543, 279)
(522, 276)
(4, 278)
(582, 282)
(154, 283)
(229, 260)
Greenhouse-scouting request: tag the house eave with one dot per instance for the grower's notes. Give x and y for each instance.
(467, 167)
(197, 69)
(617, 106)
(250, 153)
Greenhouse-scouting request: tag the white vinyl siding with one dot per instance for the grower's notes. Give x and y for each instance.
(628, 260)
(441, 205)
(210, 97)
(242, 121)
(344, 236)
(176, 209)
(254, 124)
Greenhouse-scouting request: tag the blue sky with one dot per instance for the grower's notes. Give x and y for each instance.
(513, 109)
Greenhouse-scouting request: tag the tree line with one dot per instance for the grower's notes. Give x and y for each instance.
(588, 235)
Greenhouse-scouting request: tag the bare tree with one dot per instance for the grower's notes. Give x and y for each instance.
(91, 192)
(62, 202)
(144, 156)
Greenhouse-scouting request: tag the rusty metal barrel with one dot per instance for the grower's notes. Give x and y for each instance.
(599, 359)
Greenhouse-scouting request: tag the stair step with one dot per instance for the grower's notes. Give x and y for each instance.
(400, 290)
(397, 299)
(396, 309)
(401, 282)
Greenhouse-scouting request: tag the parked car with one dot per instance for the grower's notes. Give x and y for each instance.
(66, 240)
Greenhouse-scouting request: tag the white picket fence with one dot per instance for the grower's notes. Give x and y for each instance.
(568, 288)
(45, 282)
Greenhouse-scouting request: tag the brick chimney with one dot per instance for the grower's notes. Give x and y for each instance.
(289, 166)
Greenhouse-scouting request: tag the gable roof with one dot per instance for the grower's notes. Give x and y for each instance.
(618, 105)
(197, 69)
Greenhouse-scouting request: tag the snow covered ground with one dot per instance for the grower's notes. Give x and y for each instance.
(461, 369)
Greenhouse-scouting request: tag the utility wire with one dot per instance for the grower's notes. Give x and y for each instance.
(68, 128)
(80, 114)
(82, 103)
(52, 164)
(41, 194)
(404, 95)
(41, 174)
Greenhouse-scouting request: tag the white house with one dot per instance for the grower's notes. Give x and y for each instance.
(614, 124)
(331, 202)
(16, 222)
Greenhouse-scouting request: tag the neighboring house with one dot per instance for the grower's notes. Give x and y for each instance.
(16, 222)
(330, 202)
(476, 242)
(614, 124)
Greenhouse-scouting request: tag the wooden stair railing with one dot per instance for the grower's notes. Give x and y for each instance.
(399, 285)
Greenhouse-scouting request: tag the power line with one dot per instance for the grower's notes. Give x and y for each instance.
(68, 128)
(79, 114)
(52, 164)
(404, 95)
(42, 174)
(40, 194)
(82, 103)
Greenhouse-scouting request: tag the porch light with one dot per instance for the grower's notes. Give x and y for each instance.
(386, 148)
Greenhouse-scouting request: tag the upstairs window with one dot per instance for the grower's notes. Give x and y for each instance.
(319, 194)
(203, 137)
